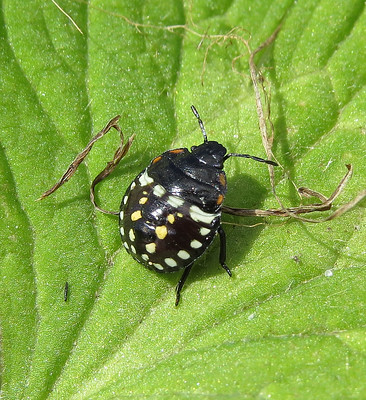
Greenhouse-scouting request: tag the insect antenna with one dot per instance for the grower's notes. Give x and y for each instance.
(195, 112)
(252, 157)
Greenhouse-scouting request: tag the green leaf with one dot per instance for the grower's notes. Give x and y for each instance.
(291, 321)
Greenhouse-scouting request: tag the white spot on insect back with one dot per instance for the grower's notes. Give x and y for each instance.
(121, 215)
(125, 199)
(175, 201)
(133, 185)
(145, 257)
(131, 234)
(158, 266)
(184, 255)
(122, 231)
(133, 249)
(199, 215)
(170, 262)
(145, 179)
(159, 191)
(204, 231)
(126, 245)
(195, 244)
(151, 248)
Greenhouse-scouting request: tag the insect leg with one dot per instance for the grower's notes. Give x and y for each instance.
(181, 283)
(222, 256)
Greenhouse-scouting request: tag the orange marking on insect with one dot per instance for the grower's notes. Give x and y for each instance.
(176, 151)
(220, 199)
(156, 159)
(222, 179)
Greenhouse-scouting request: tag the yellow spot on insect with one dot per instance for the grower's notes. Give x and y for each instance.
(180, 215)
(171, 218)
(143, 200)
(161, 231)
(136, 215)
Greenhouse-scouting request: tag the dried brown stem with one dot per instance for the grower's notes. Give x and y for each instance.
(119, 154)
(325, 205)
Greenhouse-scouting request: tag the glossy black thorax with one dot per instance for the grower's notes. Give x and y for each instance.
(196, 176)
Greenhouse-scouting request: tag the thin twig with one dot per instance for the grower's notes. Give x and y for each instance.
(68, 16)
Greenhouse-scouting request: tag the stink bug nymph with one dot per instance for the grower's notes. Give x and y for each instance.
(171, 212)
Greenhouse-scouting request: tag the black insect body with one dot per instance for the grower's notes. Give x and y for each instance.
(171, 212)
